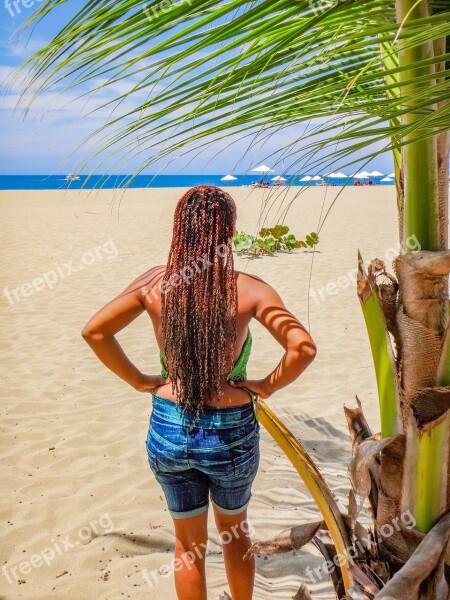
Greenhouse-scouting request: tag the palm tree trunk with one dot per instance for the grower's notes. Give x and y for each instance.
(423, 294)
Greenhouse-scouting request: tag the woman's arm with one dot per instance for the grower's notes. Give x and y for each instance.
(299, 346)
(100, 332)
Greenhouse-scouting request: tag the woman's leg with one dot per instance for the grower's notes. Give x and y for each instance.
(190, 550)
(233, 530)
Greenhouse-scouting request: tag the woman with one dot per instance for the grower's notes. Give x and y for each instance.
(203, 437)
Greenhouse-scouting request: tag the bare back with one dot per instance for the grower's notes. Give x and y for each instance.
(246, 308)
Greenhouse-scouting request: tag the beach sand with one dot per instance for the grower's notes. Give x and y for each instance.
(82, 514)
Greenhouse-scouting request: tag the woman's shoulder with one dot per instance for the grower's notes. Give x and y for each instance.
(148, 280)
(247, 282)
(249, 279)
(253, 286)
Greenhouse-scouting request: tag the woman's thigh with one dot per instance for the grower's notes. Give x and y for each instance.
(230, 458)
(231, 491)
(186, 489)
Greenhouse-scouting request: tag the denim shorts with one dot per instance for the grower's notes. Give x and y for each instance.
(218, 453)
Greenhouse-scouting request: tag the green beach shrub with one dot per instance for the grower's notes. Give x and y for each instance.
(270, 240)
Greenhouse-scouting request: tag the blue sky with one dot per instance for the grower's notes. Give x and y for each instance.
(47, 141)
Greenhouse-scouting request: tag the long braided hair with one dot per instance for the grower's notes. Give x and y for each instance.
(199, 296)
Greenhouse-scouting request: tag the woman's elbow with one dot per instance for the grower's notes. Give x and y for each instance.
(90, 334)
(308, 350)
(86, 333)
(311, 351)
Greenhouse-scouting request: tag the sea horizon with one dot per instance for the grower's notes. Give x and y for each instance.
(59, 182)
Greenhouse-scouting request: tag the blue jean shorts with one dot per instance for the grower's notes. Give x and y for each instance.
(218, 455)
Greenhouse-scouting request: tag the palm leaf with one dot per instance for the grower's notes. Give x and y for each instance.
(383, 356)
(225, 67)
(315, 483)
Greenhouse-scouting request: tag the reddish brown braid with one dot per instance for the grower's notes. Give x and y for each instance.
(198, 310)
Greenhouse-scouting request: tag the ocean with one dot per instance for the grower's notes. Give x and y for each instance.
(59, 182)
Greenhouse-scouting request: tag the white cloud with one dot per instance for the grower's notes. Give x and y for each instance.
(24, 48)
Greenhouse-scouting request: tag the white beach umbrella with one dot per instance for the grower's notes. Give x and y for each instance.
(278, 178)
(316, 178)
(306, 178)
(392, 175)
(228, 178)
(362, 175)
(263, 169)
(337, 175)
(386, 179)
(376, 174)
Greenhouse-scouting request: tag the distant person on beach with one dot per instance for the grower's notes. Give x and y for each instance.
(203, 435)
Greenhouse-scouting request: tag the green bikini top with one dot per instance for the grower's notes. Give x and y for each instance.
(239, 370)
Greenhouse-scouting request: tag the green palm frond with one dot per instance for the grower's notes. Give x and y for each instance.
(212, 68)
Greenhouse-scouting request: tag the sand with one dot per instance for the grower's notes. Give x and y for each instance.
(82, 515)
